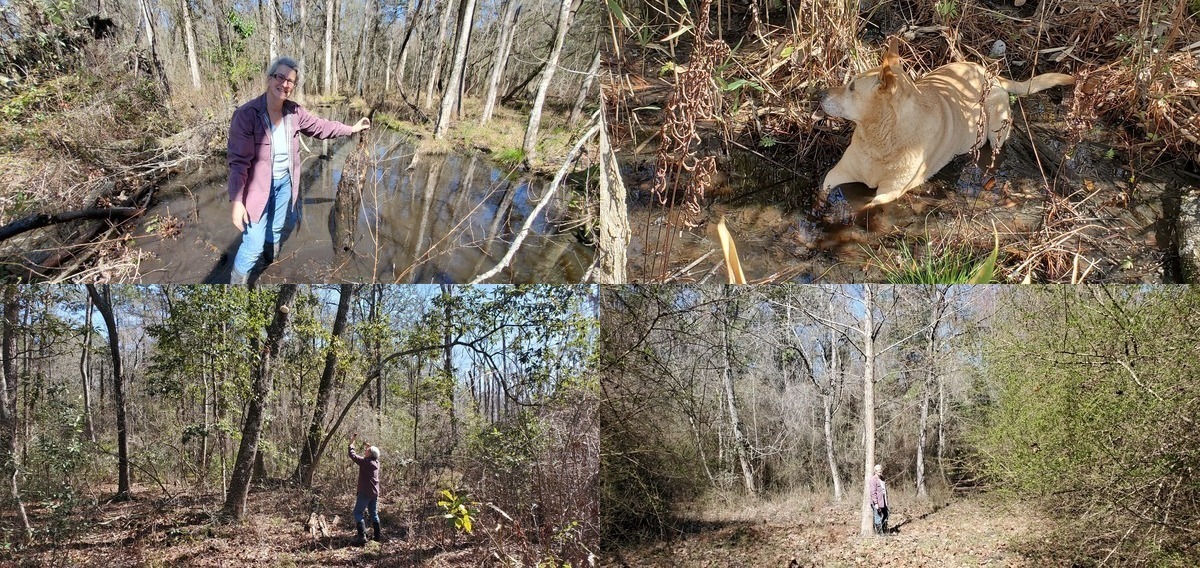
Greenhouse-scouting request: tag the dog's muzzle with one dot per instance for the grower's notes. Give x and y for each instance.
(829, 104)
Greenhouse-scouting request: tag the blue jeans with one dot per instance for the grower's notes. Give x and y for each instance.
(256, 236)
(881, 517)
(368, 503)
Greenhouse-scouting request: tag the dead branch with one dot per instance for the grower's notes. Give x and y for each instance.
(39, 220)
(573, 155)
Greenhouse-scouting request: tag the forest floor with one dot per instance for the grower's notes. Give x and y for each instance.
(184, 531)
(803, 531)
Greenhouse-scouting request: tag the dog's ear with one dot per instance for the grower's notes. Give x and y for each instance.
(892, 57)
(890, 66)
(887, 79)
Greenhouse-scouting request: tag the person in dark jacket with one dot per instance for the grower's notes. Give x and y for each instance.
(368, 490)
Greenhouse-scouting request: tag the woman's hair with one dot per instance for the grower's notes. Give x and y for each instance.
(373, 450)
(283, 61)
(878, 468)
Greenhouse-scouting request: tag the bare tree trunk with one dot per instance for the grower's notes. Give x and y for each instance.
(438, 47)
(206, 375)
(387, 68)
(102, 297)
(300, 55)
(220, 18)
(364, 45)
(868, 330)
(612, 243)
(741, 446)
(835, 367)
(330, 8)
(936, 307)
(85, 368)
(593, 70)
(447, 359)
(243, 467)
(9, 463)
(309, 458)
(941, 432)
(148, 23)
(410, 17)
(450, 93)
(272, 31)
(189, 39)
(500, 60)
(535, 114)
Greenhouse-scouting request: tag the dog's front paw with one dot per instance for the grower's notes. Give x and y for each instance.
(835, 208)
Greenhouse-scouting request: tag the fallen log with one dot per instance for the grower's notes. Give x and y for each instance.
(39, 220)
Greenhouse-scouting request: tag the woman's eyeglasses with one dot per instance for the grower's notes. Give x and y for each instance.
(283, 79)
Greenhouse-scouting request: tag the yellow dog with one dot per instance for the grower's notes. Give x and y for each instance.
(905, 130)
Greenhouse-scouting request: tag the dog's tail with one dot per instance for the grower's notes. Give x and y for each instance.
(733, 266)
(1038, 83)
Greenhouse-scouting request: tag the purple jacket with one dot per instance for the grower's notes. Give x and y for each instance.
(878, 493)
(368, 473)
(250, 150)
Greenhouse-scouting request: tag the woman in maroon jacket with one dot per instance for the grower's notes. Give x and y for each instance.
(367, 498)
(879, 500)
(264, 159)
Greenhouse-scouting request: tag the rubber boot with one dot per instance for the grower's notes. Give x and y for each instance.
(237, 278)
(361, 538)
(375, 529)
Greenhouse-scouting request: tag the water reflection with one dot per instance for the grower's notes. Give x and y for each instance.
(440, 218)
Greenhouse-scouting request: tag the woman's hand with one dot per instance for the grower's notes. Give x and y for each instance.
(241, 218)
(361, 125)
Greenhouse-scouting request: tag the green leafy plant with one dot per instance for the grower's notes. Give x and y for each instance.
(946, 9)
(457, 510)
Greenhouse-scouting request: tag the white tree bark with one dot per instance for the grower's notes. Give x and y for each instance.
(387, 69)
(868, 331)
(189, 38)
(450, 96)
(303, 71)
(438, 48)
(612, 244)
(535, 115)
(330, 8)
(152, 43)
(273, 31)
(500, 58)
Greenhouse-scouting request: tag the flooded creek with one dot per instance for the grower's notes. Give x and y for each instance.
(446, 219)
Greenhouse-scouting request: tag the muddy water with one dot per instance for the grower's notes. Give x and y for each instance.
(448, 219)
(1063, 211)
